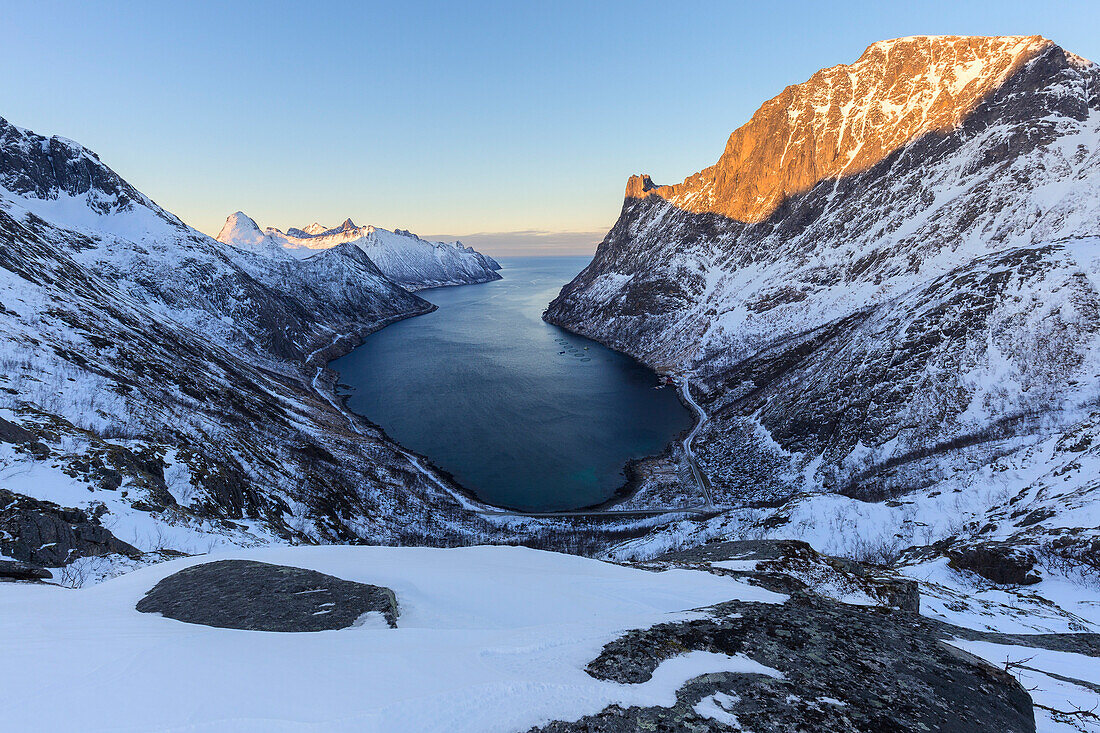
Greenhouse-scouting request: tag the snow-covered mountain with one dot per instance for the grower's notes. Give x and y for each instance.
(886, 298)
(405, 258)
(924, 330)
(171, 390)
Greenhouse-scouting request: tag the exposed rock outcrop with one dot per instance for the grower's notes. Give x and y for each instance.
(841, 668)
(999, 562)
(847, 118)
(16, 570)
(821, 664)
(793, 565)
(43, 533)
(257, 596)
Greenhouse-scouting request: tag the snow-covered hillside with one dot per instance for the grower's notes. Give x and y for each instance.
(507, 639)
(171, 389)
(405, 258)
(895, 353)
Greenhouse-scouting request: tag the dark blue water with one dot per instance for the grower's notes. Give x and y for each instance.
(480, 388)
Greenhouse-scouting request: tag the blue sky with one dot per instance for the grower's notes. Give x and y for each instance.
(519, 120)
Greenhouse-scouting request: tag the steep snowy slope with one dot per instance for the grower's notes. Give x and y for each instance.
(152, 256)
(402, 256)
(888, 288)
(172, 387)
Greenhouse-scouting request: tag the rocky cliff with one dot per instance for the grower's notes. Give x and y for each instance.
(886, 296)
(845, 119)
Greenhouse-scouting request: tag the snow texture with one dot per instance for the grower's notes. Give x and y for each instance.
(489, 639)
(900, 355)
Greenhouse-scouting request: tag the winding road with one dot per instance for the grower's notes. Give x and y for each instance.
(689, 452)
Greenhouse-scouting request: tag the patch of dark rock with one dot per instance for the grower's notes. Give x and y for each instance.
(1036, 516)
(996, 561)
(12, 433)
(844, 668)
(740, 550)
(15, 570)
(315, 452)
(43, 533)
(1085, 643)
(111, 466)
(144, 506)
(258, 596)
(26, 440)
(786, 566)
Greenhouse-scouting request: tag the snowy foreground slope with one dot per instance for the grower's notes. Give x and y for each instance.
(488, 639)
(504, 639)
(886, 299)
(402, 256)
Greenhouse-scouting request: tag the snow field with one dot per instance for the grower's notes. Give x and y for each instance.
(489, 639)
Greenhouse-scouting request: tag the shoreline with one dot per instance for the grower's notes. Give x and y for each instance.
(632, 483)
(327, 379)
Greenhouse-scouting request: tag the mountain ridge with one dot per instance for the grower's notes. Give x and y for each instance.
(925, 327)
(902, 89)
(173, 388)
(402, 256)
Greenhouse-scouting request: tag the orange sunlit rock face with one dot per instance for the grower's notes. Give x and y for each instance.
(846, 118)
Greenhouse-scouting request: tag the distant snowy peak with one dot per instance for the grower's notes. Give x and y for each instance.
(845, 119)
(61, 192)
(309, 231)
(402, 256)
(416, 263)
(241, 229)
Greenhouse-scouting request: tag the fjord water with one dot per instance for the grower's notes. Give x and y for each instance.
(482, 389)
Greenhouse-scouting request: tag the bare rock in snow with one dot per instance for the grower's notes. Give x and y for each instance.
(838, 668)
(792, 565)
(997, 561)
(258, 596)
(15, 570)
(43, 533)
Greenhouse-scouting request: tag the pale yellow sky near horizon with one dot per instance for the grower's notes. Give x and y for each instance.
(528, 242)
